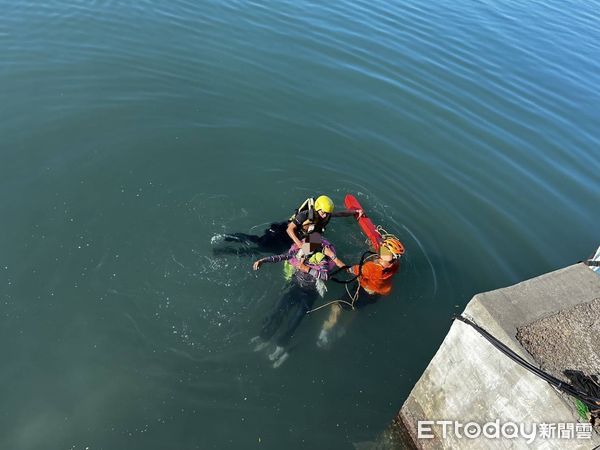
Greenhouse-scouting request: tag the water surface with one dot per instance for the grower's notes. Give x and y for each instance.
(132, 133)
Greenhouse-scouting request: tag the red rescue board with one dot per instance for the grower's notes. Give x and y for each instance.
(366, 225)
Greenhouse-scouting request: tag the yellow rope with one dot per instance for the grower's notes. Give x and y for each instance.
(384, 235)
(352, 297)
(330, 303)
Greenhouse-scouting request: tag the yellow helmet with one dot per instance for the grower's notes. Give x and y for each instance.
(324, 203)
(393, 245)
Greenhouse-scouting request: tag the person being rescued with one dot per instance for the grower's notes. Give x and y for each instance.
(311, 263)
(374, 281)
(312, 216)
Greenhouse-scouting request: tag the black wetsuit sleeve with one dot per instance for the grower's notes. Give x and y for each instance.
(344, 213)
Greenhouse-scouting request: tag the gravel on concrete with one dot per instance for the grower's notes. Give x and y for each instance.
(569, 339)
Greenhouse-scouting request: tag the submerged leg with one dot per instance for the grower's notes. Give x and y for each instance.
(324, 335)
(275, 238)
(334, 314)
(242, 238)
(238, 251)
(303, 303)
(273, 321)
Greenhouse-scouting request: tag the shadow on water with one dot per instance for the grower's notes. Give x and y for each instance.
(238, 251)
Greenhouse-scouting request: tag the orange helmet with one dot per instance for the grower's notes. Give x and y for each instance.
(393, 245)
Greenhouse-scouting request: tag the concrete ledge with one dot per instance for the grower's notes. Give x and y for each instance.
(469, 380)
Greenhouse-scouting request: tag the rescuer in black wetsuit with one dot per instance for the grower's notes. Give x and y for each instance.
(312, 216)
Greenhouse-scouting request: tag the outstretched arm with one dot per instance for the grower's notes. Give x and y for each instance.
(329, 253)
(348, 212)
(271, 259)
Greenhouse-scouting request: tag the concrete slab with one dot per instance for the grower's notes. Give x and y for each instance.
(469, 380)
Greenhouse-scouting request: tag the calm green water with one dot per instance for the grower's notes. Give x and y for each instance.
(131, 133)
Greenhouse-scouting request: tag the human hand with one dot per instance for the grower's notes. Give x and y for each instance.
(257, 264)
(360, 213)
(329, 253)
(302, 266)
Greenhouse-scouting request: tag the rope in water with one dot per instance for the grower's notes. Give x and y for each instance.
(364, 258)
(352, 297)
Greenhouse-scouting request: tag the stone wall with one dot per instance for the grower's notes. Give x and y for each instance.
(469, 380)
